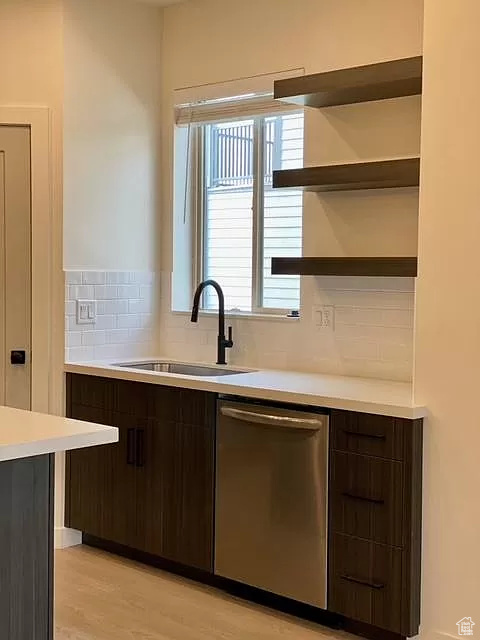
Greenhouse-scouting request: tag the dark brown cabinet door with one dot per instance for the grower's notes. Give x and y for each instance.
(179, 479)
(101, 481)
(153, 490)
(179, 504)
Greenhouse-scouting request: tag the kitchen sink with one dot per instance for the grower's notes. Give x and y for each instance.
(182, 369)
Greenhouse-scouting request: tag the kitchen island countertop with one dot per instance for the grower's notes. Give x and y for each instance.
(24, 434)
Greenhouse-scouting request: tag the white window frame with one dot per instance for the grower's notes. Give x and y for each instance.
(198, 200)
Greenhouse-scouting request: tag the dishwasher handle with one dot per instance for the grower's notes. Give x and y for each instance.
(271, 420)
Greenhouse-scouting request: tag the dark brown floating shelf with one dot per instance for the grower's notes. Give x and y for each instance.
(386, 267)
(381, 81)
(383, 174)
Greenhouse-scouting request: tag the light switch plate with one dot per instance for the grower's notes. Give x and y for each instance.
(86, 311)
(324, 317)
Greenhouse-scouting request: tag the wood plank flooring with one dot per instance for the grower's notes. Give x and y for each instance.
(103, 597)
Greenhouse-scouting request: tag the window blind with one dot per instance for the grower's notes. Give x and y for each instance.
(230, 109)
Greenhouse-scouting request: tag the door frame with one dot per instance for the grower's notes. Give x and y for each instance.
(47, 276)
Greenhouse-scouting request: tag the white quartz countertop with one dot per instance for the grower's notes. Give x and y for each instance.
(24, 434)
(334, 392)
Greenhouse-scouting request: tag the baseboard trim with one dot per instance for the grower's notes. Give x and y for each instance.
(438, 635)
(65, 537)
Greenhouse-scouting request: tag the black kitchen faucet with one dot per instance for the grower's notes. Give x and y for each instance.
(222, 342)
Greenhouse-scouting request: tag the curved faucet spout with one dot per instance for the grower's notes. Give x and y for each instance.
(223, 343)
(198, 295)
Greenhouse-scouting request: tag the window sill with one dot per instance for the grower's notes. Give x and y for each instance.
(269, 317)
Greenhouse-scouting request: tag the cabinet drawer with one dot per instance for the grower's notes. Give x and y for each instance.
(184, 406)
(372, 435)
(89, 391)
(130, 398)
(367, 497)
(365, 582)
(97, 415)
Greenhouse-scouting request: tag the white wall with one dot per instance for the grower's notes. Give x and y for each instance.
(216, 40)
(448, 338)
(31, 74)
(112, 79)
(112, 71)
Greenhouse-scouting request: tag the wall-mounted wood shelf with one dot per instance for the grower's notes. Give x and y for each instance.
(384, 267)
(381, 81)
(384, 174)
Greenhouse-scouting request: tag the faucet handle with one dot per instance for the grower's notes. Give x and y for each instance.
(229, 343)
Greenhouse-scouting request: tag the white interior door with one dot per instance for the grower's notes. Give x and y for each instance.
(15, 267)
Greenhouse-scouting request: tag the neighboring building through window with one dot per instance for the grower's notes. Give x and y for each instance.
(242, 221)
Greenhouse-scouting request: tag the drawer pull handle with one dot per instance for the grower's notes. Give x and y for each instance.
(354, 496)
(364, 583)
(358, 434)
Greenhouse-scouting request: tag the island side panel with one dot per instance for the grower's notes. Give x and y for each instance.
(26, 548)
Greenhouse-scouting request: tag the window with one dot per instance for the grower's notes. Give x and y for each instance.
(241, 221)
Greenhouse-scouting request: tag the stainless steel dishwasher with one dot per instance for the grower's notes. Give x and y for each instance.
(271, 499)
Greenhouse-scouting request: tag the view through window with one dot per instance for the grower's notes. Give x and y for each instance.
(244, 221)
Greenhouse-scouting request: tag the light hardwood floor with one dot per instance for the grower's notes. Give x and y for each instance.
(103, 597)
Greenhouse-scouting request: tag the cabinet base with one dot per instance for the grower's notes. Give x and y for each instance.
(264, 598)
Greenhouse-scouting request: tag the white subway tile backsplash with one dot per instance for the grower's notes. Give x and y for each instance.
(129, 321)
(372, 336)
(118, 352)
(71, 324)
(398, 318)
(117, 336)
(73, 277)
(396, 352)
(144, 292)
(105, 292)
(81, 292)
(354, 348)
(358, 283)
(70, 307)
(111, 307)
(93, 277)
(124, 326)
(128, 291)
(117, 277)
(141, 277)
(380, 334)
(177, 335)
(74, 354)
(139, 306)
(139, 335)
(73, 339)
(369, 299)
(106, 322)
(374, 317)
(108, 352)
(92, 338)
(146, 320)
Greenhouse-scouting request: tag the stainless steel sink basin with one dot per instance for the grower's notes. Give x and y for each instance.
(182, 369)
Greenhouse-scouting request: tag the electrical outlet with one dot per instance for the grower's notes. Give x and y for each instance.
(324, 317)
(86, 311)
